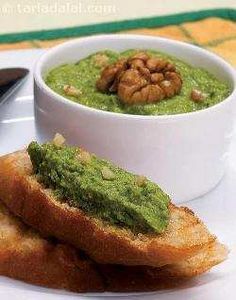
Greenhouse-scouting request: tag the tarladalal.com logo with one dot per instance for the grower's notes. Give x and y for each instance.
(55, 8)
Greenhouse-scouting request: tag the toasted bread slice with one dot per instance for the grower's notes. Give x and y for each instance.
(26, 256)
(25, 197)
(140, 278)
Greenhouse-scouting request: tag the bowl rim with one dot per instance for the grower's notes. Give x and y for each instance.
(40, 82)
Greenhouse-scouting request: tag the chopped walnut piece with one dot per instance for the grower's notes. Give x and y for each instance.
(197, 96)
(84, 157)
(110, 75)
(58, 139)
(172, 84)
(134, 88)
(141, 79)
(156, 65)
(170, 67)
(107, 174)
(138, 60)
(101, 60)
(141, 180)
(70, 90)
(151, 64)
(140, 55)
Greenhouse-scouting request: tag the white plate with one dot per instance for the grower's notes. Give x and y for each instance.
(217, 209)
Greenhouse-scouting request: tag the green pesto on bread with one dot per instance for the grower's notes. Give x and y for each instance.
(100, 188)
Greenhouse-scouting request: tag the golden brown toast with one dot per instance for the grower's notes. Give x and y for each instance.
(185, 236)
(26, 256)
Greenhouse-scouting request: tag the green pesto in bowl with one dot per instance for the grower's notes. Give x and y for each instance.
(101, 189)
(84, 74)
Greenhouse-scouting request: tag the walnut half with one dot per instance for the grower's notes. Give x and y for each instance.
(140, 79)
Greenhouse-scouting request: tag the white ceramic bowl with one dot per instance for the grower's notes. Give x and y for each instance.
(185, 154)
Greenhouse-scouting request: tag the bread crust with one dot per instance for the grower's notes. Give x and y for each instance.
(141, 278)
(26, 256)
(26, 198)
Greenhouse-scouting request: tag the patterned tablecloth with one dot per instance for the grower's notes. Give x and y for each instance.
(212, 29)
